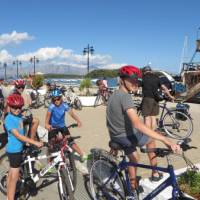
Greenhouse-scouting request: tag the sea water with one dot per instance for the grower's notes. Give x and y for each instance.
(112, 82)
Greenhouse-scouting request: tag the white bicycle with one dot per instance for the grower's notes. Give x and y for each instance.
(62, 161)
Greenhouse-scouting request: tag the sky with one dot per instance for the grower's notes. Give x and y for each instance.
(136, 32)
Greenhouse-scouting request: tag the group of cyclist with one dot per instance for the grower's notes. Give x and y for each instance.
(14, 126)
(123, 123)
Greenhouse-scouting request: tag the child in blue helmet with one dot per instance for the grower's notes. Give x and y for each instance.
(55, 120)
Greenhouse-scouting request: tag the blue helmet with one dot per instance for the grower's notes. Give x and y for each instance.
(56, 93)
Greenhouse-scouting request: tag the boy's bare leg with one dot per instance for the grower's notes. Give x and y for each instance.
(77, 149)
(12, 179)
(152, 158)
(134, 157)
(34, 127)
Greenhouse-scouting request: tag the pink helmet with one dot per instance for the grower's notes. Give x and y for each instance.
(15, 100)
(20, 83)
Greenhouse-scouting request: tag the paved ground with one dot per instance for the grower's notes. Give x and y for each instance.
(94, 134)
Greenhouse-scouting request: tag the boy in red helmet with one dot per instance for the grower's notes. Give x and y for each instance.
(125, 127)
(19, 89)
(16, 140)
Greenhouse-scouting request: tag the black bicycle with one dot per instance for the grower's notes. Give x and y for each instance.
(102, 97)
(174, 122)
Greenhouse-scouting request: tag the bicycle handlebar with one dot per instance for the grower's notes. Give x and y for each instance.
(46, 144)
(73, 125)
(161, 152)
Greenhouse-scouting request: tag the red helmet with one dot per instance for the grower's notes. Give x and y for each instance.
(130, 71)
(15, 100)
(20, 82)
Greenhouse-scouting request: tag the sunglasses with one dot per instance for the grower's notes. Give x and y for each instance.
(20, 87)
(16, 108)
(57, 99)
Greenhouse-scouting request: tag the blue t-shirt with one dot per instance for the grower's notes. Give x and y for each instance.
(14, 145)
(57, 118)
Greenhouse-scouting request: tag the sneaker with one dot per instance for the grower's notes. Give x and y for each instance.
(52, 170)
(156, 178)
(134, 196)
(85, 157)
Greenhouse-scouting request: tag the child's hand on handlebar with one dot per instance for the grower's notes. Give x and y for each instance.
(48, 127)
(39, 144)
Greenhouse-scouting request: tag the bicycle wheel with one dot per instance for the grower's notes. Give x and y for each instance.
(65, 188)
(47, 102)
(103, 183)
(77, 104)
(4, 166)
(177, 125)
(70, 162)
(98, 101)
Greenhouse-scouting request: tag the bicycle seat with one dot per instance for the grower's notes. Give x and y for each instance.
(115, 146)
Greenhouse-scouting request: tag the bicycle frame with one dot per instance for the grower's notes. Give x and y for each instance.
(170, 181)
(58, 159)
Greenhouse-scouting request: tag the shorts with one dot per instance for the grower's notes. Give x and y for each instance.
(15, 159)
(130, 142)
(150, 107)
(55, 131)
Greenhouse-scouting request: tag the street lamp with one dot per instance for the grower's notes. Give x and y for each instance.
(89, 50)
(17, 62)
(34, 60)
(5, 74)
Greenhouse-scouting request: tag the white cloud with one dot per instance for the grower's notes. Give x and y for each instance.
(57, 56)
(14, 38)
(5, 56)
(113, 66)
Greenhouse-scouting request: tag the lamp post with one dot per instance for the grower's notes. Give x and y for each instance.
(34, 60)
(17, 62)
(89, 50)
(4, 66)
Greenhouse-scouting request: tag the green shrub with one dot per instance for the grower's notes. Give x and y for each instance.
(85, 83)
(38, 81)
(189, 183)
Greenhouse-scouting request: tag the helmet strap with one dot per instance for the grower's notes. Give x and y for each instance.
(124, 84)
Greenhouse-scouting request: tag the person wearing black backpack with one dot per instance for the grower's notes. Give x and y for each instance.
(152, 89)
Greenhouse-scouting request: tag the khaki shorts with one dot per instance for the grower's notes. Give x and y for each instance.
(150, 107)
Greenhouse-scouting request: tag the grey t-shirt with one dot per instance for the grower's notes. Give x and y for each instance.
(118, 123)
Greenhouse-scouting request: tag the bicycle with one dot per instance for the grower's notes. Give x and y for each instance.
(174, 122)
(36, 98)
(109, 180)
(63, 161)
(71, 98)
(102, 97)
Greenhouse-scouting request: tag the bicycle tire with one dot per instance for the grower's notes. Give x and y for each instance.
(4, 166)
(172, 123)
(47, 102)
(67, 189)
(70, 162)
(98, 101)
(77, 104)
(100, 171)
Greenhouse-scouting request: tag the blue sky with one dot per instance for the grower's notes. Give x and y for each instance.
(121, 31)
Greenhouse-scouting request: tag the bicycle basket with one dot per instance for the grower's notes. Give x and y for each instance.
(182, 108)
